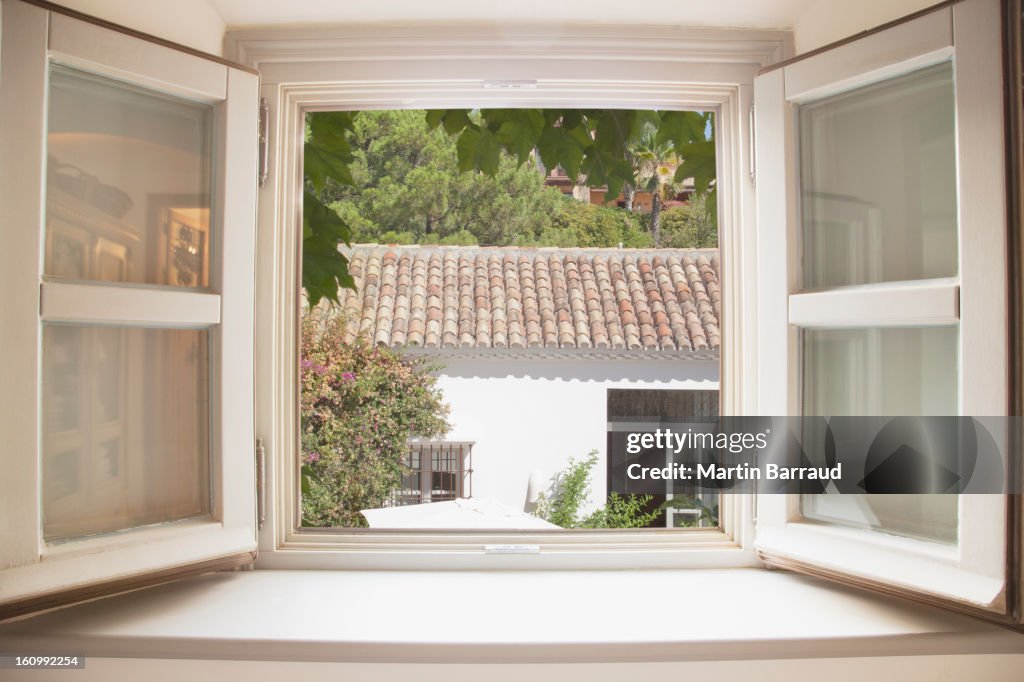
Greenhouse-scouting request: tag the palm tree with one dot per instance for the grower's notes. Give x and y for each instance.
(655, 173)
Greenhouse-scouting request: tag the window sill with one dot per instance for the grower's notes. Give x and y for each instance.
(493, 617)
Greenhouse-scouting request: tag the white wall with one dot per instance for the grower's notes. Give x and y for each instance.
(194, 23)
(527, 415)
(826, 21)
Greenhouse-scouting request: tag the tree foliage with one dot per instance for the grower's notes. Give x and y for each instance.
(359, 406)
(690, 226)
(407, 186)
(498, 143)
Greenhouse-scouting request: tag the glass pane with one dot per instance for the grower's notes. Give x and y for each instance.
(878, 182)
(128, 183)
(125, 428)
(883, 372)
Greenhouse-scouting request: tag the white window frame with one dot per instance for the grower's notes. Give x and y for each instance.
(974, 572)
(659, 67)
(31, 569)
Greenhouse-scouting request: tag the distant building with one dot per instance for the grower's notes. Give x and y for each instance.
(540, 348)
(596, 195)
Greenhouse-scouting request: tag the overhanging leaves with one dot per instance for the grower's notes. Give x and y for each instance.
(596, 144)
(324, 267)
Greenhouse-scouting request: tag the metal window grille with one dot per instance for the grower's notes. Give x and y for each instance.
(435, 472)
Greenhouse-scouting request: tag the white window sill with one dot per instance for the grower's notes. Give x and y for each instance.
(677, 615)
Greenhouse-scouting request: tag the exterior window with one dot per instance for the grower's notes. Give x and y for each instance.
(547, 329)
(436, 472)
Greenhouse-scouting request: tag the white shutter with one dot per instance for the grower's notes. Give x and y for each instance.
(877, 275)
(128, 183)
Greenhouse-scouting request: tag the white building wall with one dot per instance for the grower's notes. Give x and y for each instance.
(533, 415)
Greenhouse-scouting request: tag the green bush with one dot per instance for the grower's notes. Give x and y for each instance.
(360, 405)
(689, 227)
(572, 491)
(599, 226)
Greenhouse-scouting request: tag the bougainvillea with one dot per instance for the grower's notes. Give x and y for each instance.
(360, 405)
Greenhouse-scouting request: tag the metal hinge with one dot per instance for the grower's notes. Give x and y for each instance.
(264, 137)
(753, 147)
(261, 483)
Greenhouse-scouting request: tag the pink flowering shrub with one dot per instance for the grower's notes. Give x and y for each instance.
(359, 406)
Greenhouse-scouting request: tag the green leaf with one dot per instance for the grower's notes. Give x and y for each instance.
(642, 122)
(488, 152)
(478, 148)
(329, 132)
(680, 128)
(434, 117)
(320, 164)
(612, 131)
(519, 134)
(560, 147)
(466, 149)
(456, 120)
(697, 161)
(324, 267)
(307, 474)
(605, 168)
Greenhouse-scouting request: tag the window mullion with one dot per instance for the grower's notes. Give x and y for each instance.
(920, 303)
(106, 304)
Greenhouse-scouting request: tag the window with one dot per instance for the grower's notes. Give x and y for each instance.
(290, 99)
(91, 313)
(436, 472)
(881, 189)
(128, 310)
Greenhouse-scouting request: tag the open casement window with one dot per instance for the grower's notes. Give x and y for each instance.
(881, 190)
(128, 185)
(411, 69)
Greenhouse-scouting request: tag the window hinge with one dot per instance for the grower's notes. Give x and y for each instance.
(264, 137)
(753, 148)
(261, 483)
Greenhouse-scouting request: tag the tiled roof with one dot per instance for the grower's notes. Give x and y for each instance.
(651, 301)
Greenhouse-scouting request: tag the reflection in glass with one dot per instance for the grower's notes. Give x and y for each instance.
(883, 372)
(128, 183)
(125, 428)
(878, 182)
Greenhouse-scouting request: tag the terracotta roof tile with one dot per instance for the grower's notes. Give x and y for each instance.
(488, 297)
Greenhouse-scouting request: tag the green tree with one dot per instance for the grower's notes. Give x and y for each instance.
(654, 163)
(406, 180)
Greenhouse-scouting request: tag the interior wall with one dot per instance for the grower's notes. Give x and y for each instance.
(826, 21)
(194, 23)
